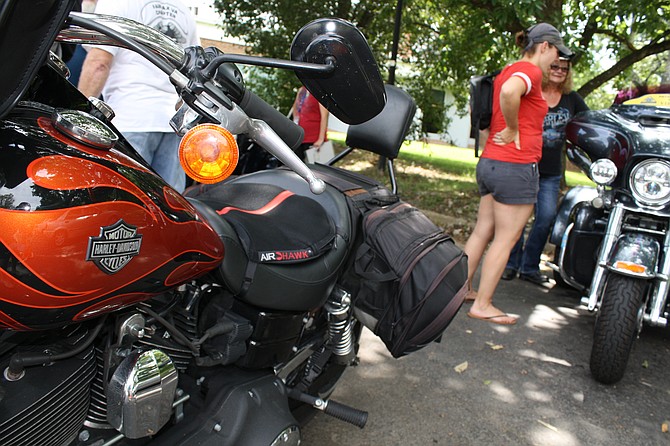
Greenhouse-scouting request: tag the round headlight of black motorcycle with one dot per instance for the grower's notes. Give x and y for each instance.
(650, 182)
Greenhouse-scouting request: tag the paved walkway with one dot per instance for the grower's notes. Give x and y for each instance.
(527, 384)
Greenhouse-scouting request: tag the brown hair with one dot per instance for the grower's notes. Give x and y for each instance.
(522, 41)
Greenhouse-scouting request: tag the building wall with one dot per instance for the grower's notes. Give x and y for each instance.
(209, 21)
(226, 47)
(458, 130)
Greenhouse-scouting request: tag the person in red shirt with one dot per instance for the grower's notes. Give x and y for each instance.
(564, 104)
(309, 114)
(507, 174)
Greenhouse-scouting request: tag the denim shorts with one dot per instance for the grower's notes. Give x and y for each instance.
(510, 183)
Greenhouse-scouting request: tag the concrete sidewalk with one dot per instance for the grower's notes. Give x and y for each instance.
(527, 384)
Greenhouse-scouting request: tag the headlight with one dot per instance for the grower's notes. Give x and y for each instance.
(650, 182)
(603, 172)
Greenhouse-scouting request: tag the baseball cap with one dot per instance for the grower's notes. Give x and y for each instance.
(544, 32)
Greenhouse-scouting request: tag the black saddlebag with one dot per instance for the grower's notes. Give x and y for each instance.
(410, 278)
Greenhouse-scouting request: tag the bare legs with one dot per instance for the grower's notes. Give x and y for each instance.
(501, 224)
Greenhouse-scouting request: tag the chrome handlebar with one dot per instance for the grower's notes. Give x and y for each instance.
(97, 29)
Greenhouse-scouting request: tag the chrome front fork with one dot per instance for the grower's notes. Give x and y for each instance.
(657, 315)
(611, 235)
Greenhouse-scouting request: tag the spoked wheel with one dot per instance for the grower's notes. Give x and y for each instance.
(617, 325)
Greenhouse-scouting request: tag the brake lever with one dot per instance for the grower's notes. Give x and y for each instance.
(264, 135)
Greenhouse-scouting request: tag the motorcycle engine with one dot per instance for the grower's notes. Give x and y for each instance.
(48, 404)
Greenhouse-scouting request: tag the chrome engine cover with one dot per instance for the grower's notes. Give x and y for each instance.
(141, 392)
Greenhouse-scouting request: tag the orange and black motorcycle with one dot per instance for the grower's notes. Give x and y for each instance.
(131, 313)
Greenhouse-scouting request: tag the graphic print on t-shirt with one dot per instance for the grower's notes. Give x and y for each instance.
(554, 126)
(167, 19)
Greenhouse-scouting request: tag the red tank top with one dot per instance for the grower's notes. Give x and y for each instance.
(309, 115)
(532, 110)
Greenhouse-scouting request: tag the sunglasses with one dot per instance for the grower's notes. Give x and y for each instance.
(560, 68)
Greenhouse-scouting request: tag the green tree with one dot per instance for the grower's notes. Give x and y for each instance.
(268, 28)
(446, 42)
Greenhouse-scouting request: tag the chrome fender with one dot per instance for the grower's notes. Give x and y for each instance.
(635, 255)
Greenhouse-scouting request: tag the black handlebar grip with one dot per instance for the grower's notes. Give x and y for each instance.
(255, 107)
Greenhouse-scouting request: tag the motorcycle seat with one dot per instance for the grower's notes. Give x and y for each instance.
(297, 284)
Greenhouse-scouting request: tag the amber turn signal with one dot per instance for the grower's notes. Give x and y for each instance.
(629, 266)
(208, 153)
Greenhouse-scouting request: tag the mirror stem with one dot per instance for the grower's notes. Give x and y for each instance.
(214, 64)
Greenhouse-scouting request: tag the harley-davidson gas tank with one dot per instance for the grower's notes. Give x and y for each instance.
(85, 226)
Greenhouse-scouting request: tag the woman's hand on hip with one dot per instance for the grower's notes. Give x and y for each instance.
(506, 136)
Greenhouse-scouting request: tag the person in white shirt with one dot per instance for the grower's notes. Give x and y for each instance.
(140, 94)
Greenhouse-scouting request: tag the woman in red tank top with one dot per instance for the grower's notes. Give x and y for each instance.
(507, 174)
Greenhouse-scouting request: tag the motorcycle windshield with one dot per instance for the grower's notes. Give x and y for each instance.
(27, 31)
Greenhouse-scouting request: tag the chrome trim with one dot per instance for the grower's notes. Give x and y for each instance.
(156, 41)
(561, 255)
(141, 393)
(102, 107)
(657, 316)
(629, 228)
(636, 248)
(179, 79)
(185, 119)
(645, 210)
(285, 370)
(611, 236)
(57, 63)
(181, 400)
(288, 437)
(84, 128)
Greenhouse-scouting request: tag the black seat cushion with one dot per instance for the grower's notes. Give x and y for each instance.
(274, 225)
(301, 220)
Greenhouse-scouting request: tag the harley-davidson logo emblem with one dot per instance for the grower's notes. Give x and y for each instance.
(115, 247)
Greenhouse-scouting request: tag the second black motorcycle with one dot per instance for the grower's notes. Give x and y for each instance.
(613, 240)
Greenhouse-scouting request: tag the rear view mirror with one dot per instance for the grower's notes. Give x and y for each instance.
(354, 90)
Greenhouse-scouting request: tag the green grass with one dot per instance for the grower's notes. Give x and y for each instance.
(459, 162)
(462, 160)
(434, 177)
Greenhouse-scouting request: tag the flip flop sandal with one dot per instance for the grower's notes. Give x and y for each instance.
(495, 319)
